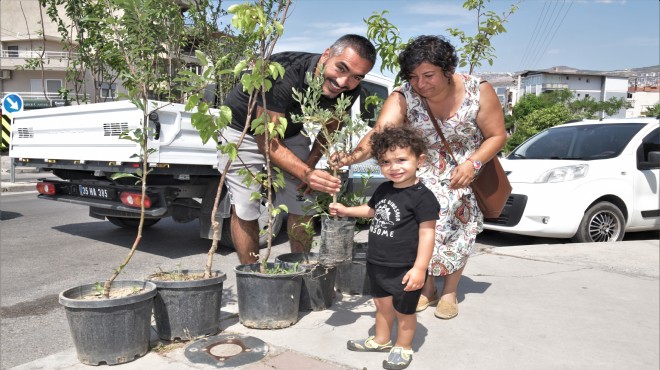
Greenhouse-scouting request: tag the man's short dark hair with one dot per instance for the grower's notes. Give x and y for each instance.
(392, 137)
(362, 46)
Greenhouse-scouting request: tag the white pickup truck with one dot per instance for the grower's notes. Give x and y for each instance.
(81, 145)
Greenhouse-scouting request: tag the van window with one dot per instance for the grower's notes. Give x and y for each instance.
(369, 114)
(585, 142)
(650, 143)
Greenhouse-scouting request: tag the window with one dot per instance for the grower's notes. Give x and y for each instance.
(369, 113)
(108, 91)
(650, 143)
(12, 51)
(52, 87)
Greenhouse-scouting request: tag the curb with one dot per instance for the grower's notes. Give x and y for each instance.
(18, 187)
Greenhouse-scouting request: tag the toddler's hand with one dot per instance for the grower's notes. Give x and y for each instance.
(414, 279)
(337, 209)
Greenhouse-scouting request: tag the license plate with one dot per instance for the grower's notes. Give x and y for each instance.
(94, 192)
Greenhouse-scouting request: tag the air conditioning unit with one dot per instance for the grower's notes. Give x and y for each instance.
(5, 74)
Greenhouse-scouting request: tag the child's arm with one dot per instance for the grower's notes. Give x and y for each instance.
(414, 279)
(338, 209)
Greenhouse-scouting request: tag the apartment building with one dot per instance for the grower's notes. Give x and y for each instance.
(33, 62)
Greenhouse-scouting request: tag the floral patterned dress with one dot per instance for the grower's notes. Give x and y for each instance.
(460, 218)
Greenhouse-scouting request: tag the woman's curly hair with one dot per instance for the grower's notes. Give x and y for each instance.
(392, 137)
(431, 49)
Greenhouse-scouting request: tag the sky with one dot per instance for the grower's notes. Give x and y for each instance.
(602, 35)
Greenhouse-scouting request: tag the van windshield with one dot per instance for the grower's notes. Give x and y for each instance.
(580, 142)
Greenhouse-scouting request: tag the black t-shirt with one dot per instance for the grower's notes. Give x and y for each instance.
(280, 97)
(394, 230)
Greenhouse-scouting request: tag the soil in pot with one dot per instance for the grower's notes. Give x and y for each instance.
(186, 305)
(111, 331)
(318, 286)
(268, 300)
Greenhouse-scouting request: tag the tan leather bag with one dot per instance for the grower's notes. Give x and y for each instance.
(491, 187)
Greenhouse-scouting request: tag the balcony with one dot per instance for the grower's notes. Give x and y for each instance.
(549, 86)
(16, 59)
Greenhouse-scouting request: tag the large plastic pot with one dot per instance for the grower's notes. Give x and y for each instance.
(318, 286)
(111, 331)
(352, 275)
(188, 309)
(265, 300)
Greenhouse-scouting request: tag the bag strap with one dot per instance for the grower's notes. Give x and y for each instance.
(437, 128)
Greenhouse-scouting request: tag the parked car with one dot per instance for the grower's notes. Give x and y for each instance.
(591, 181)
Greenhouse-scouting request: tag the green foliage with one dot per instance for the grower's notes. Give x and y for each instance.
(259, 25)
(476, 48)
(386, 39)
(314, 118)
(156, 29)
(538, 121)
(653, 111)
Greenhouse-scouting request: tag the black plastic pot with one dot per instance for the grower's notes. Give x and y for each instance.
(352, 275)
(111, 331)
(318, 286)
(336, 240)
(188, 309)
(265, 300)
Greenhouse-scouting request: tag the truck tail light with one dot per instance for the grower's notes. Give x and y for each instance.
(134, 199)
(46, 188)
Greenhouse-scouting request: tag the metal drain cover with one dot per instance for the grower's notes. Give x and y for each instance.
(228, 350)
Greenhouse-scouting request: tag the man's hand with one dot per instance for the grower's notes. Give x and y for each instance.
(339, 160)
(320, 180)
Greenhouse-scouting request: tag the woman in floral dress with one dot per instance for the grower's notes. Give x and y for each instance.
(471, 119)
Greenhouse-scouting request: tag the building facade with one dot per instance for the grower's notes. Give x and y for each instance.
(598, 86)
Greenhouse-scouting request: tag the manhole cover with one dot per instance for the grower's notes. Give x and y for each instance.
(226, 350)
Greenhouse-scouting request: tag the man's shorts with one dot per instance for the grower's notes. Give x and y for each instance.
(250, 157)
(386, 281)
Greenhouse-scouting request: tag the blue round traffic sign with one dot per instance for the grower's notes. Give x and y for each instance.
(12, 103)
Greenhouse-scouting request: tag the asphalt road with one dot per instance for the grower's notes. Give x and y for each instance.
(47, 247)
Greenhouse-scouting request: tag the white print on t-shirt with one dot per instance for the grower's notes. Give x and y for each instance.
(385, 211)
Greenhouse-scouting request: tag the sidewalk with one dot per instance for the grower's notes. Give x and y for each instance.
(20, 183)
(563, 306)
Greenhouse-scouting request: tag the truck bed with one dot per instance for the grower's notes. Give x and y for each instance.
(90, 133)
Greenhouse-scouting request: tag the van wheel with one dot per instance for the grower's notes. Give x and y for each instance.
(603, 222)
(132, 223)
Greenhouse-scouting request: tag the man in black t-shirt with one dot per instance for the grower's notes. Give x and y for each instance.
(346, 63)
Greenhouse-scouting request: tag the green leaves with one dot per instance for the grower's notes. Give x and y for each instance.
(477, 48)
(387, 41)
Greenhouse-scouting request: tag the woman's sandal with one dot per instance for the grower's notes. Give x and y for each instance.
(424, 302)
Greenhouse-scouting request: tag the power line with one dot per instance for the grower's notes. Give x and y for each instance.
(543, 34)
(532, 37)
(554, 33)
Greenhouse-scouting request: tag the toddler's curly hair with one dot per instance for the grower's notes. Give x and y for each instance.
(392, 137)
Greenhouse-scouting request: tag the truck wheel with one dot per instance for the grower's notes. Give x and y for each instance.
(132, 223)
(227, 241)
(603, 222)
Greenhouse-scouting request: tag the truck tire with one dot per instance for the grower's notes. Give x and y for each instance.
(602, 222)
(227, 241)
(132, 223)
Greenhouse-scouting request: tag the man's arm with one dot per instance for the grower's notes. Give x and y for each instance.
(283, 158)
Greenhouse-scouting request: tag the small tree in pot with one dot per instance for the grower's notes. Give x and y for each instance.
(336, 233)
